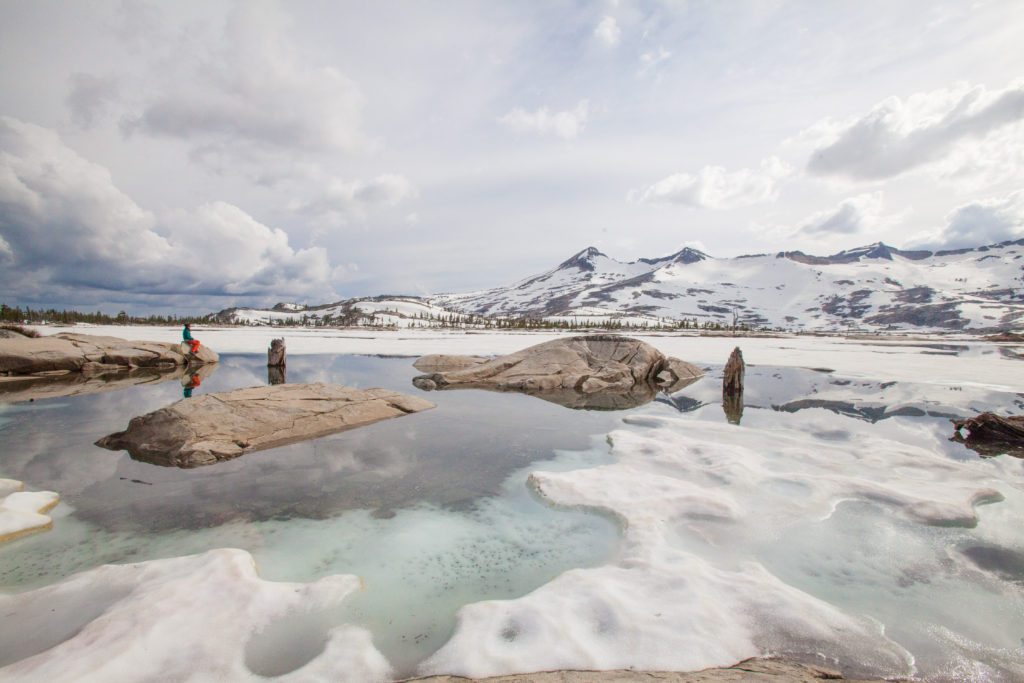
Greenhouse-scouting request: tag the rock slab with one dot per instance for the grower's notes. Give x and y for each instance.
(68, 352)
(594, 365)
(221, 426)
(748, 671)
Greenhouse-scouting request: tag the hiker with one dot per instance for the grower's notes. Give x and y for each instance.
(186, 335)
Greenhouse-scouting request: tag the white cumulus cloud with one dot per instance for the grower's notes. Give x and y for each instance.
(853, 216)
(981, 222)
(565, 124)
(714, 187)
(66, 226)
(250, 90)
(898, 135)
(608, 31)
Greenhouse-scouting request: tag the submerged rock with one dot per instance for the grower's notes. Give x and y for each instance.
(68, 352)
(991, 434)
(747, 671)
(221, 426)
(596, 371)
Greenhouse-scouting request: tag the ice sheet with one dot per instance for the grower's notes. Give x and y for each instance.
(181, 619)
(23, 512)
(704, 503)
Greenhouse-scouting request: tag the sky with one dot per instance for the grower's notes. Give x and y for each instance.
(190, 156)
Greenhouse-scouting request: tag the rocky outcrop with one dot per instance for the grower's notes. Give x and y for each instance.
(596, 371)
(68, 352)
(990, 434)
(748, 671)
(221, 426)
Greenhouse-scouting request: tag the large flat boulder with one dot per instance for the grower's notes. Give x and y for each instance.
(220, 426)
(70, 352)
(595, 371)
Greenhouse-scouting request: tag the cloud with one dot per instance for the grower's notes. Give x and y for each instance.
(713, 187)
(341, 199)
(852, 216)
(565, 124)
(608, 31)
(899, 135)
(984, 221)
(251, 90)
(89, 97)
(66, 226)
(651, 59)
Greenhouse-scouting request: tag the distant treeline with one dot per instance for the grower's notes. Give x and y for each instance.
(18, 314)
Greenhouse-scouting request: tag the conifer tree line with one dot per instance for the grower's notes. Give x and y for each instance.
(355, 318)
(18, 314)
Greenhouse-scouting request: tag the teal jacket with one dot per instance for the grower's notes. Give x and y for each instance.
(185, 334)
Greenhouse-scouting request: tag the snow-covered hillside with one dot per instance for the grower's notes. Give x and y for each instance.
(372, 312)
(872, 287)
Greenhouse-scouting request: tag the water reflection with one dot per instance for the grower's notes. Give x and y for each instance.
(638, 395)
(24, 389)
(450, 456)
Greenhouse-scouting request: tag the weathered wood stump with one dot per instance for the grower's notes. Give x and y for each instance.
(732, 386)
(276, 353)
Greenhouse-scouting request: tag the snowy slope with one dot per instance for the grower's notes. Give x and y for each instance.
(872, 287)
(374, 312)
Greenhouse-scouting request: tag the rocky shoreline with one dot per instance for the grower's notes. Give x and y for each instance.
(66, 353)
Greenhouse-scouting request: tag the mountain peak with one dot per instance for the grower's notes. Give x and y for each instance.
(684, 255)
(583, 260)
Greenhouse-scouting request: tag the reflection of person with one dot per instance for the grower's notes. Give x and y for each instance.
(186, 335)
(191, 384)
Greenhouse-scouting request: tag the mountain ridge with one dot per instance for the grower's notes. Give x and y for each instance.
(873, 287)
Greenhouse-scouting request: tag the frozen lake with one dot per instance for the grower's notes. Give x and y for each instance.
(835, 524)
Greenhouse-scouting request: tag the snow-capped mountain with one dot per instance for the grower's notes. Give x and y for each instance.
(871, 287)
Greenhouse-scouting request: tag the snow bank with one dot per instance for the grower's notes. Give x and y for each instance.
(181, 619)
(699, 502)
(22, 512)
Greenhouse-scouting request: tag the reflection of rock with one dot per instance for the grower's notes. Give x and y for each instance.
(225, 425)
(33, 387)
(440, 362)
(84, 353)
(991, 434)
(23, 512)
(597, 371)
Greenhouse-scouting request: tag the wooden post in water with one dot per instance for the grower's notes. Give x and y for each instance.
(732, 387)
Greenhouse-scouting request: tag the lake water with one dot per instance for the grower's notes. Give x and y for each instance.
(433, 512)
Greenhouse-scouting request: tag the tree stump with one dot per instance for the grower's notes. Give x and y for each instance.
(276, 353)
(732, 387)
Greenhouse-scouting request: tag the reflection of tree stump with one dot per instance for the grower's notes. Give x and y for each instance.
(276, 374)
(732, 387)
(276, 353)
